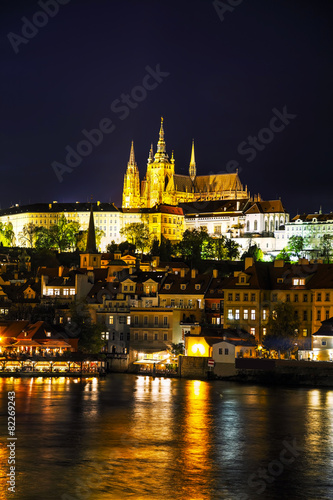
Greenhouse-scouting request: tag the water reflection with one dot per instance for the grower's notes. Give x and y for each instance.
(139, 437)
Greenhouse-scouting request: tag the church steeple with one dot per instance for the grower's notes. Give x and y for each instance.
(91, 236)
(151, 155)
(131, 191)
(132, 156)
(192, 169)
(161, 146)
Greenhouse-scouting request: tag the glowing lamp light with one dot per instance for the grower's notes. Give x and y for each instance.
(198, 347)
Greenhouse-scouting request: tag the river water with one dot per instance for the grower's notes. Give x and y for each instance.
(137, 437)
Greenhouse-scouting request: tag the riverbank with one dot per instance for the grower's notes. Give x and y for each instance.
(50, 374)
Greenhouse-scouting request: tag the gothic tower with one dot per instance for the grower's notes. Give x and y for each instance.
(131, 191)
(91, 259)
(160, 169)
(192, 169)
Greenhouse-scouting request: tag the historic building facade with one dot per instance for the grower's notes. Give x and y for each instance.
(161, 185)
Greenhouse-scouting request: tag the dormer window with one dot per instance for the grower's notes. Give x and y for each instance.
(242, 279)
(183, 287)
(167, 286)
(280, 280)
(48, 334)
(197, 287)
(298, 281)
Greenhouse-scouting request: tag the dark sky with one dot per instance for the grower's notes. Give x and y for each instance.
(223, 78)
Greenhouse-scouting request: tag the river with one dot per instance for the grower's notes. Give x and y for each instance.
(137, 437)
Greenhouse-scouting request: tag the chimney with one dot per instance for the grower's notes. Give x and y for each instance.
(279, 263)
(182, 272)
(248, 262)
(193, 273)
(215, 273)
(303, 262)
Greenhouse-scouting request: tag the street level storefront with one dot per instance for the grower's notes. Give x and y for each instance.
(31, 366)
(161, 362)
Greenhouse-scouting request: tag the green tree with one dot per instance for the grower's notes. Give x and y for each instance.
(61, 236)
(81, 238)
(255, 252)
(325, 248)
(137, 233)
(296, 245)
(233, 249)
(283, 255)
(28, 235)
(282, 328)
(190, 247)
(7, 234)
(89, 333)
(177, 349)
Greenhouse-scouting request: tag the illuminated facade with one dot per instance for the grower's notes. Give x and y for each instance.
(162, 185)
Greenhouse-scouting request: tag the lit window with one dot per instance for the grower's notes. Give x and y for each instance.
(66, 291)
(246, 314)
(110, 320)
(128, 320)
(237, 314)
(253, 331)
(264, 331)
(72, 291)
(253, 314)
(230, 316)
(264, 314)
(305, 332)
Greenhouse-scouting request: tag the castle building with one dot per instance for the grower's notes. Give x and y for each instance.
(161, 185)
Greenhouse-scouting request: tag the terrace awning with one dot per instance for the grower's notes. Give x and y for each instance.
(149, 362)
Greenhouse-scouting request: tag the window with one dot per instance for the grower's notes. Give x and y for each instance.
(246, 297)
(65, 292)
(327, 297)
(145, 336)
(264, 314)
(183, 286)
(226, 351)
(217, 229)
(154, 220)
(131, 288)
(197, 287)
(122, 320)
(165, 336)
(172, 302)
(288, 297)
(237, 314)
(305, 297)
(264, 331)
(242, 279)
(246, 314)
(253, 331)
(220, 350)
(253, 314)
(56, 291)
(155, 336)
(230, 316)
(296, 297)
(274, 297)
(156, 320)
(125, 288)
(323, 342)
(305, 332)
(229, 296)
(305, 315)
(165, 320)
(318, 315)
(136, 320)
(255, 225)
(253, 297)
(181, 302)
(110, 320)
(319, 297)
(237, 297)
(145, 320)
(128, 320)
(136, 336)
(327, 314)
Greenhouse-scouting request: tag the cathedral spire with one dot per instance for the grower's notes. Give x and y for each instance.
(161, 148)
(91, 237)
(151, 154)
(132, 156)
(192, 169)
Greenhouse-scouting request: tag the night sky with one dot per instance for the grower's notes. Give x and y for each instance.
(222, 76)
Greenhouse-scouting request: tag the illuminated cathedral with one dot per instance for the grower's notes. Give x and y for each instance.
(161, 185)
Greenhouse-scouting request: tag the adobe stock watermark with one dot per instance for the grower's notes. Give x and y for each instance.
(121, 107)
(263, 477)
(40, 19)
(227, 6)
